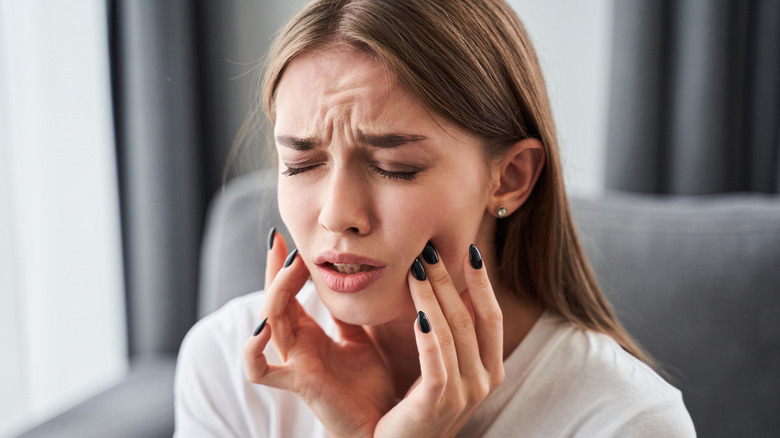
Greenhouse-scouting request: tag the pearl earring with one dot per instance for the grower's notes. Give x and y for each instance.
(502, 212)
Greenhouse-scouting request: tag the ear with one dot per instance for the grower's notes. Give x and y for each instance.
(516, 174)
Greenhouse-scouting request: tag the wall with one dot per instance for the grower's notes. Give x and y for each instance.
(573, 42)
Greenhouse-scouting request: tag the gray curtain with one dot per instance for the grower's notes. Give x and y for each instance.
(183, 77)
(695, 99)
(161, 158)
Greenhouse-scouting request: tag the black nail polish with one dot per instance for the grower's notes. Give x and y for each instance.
(271, 235)
(290, 258)
(260, 327)
(429, 254)
(475, 257)
(417, 270)
(422, 321)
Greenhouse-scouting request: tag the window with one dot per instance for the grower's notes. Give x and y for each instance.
(62, 317)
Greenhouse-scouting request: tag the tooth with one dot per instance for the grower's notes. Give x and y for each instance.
(345, 268)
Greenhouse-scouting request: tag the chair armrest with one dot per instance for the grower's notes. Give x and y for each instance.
(139, 406)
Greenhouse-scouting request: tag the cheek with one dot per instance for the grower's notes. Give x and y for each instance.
(449, 217)
(295, 208)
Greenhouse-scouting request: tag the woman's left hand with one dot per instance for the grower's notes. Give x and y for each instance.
(461, 358)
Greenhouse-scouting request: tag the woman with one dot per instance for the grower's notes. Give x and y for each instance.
(420, 181)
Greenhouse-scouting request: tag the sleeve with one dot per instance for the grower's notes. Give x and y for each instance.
(204, 392)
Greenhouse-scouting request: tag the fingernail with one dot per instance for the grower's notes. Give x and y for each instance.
(475, 257)
(417, 270)
(422, 321)
(429, 254)
(290, 258)
(271, 235)
(260, 327)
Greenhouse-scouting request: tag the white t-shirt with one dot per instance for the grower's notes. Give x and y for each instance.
(560, 381)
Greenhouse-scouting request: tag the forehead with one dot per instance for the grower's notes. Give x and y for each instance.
(340, 84)
(337, 69)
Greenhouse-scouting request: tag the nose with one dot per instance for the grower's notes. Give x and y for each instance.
(344, 207)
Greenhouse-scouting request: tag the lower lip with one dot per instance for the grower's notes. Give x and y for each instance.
(347, 283)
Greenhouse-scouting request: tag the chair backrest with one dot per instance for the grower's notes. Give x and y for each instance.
(234, 243)
(695, 279)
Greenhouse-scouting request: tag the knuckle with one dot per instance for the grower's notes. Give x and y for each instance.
(253, 376)
(499, 376)
(437, 383)
(461, 321)
(481, 281)
(438, 276)
(429, 349)
(454, 402)
(482, 388)
(493, 316)
(460, 402)
(445, 338)
(425, 293)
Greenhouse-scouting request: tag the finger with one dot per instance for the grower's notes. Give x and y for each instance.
(487, 313)
(457, 313)
(425, 300)
(433, 370)
(280, 305)
(467, 302)
(277, 251)
(258, 370)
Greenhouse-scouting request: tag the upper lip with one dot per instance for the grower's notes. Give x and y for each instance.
(346, 258)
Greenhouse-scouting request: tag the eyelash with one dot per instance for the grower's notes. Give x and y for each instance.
(291, 171)
(397, 176)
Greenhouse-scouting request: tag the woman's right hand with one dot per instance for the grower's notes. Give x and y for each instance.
(345, 383)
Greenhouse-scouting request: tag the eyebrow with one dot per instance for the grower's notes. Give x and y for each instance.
(297, 143)
(387, 141)
(384, 141)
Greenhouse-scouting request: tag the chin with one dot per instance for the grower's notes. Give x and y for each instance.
(370, 307)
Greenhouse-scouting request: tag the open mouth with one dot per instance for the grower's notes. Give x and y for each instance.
(347, 273)
(346, 268)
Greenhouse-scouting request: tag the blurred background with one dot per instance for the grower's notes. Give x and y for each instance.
(118, 117)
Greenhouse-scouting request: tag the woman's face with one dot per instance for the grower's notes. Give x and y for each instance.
(367, 177)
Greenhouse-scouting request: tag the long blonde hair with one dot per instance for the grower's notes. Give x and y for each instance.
(473, 63)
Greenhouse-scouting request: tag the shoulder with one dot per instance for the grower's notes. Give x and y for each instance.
(615, 393)
(606, 365)
(579, 382)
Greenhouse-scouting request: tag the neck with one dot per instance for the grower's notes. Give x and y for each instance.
(395, 342)
(520, 314)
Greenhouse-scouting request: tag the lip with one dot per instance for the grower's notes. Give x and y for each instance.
(347, 283)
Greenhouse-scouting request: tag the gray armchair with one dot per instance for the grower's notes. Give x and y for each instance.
(695, 279)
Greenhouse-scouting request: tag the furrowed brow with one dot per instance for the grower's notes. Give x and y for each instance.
(388, 140)
(297, 143)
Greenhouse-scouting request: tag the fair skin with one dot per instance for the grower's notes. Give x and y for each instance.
(368, 175)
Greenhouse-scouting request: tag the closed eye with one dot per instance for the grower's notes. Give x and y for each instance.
(404, 176)
(293, 170)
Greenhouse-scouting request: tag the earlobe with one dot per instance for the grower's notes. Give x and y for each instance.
(517, 172)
